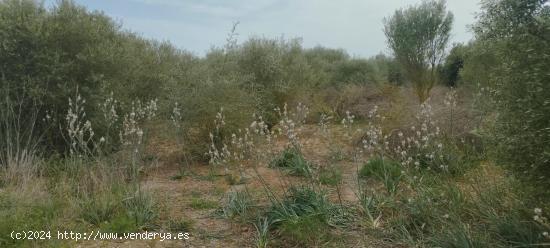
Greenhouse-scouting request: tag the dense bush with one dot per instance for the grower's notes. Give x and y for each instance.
(517, 35)
(450, 70)
(388, 69)
(47, 55)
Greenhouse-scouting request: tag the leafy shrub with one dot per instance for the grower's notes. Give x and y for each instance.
(354, 71)
(272, 72)
(200, 109)
(52, 53)
(450, 70)
(515, 34)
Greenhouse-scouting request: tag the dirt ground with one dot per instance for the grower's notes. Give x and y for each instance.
(209, 229)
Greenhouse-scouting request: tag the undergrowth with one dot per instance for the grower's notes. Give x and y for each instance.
(292, 160)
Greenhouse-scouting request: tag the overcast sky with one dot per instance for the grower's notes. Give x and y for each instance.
(197, 25)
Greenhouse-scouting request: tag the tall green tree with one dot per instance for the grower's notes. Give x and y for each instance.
(418, 37)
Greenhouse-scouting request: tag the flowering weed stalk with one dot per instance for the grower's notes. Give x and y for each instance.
(111, 119)
(132, 134)
(176, 120)
(423, 147)
(450, 101)
(79, 130)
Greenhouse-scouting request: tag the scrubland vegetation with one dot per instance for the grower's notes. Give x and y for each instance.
(265, 143)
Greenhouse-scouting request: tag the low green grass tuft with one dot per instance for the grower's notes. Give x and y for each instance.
(262, 226)
(122, 223)
(142, 208)
(305, 216)
(100, 208)
(304, 230)
(180, 225)
(459, 236)
(200, 203)
(387, 171)
(20, 212)
(517, 231)
(238, 204)
(330, 176)
(292, 160)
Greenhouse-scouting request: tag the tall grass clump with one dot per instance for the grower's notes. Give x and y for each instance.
(20, 154)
